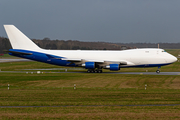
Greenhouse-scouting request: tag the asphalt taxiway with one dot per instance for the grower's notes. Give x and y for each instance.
(146, 73)
(131, 73)
(66, 69)
(123, 73)
(13, 60)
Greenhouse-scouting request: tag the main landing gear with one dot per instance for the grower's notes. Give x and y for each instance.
(158, 71)
(94, 71)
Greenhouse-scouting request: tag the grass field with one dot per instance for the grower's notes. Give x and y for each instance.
(96, 95)
(91, 89)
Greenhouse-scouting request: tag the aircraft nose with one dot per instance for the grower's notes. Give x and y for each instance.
(174, 59)
(171, 59)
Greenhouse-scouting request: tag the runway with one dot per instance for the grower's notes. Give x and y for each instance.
(67, 69)
(123, 73)
(91, 106)
(134, 73)
(13, 60)
(145, 73)
(130, 73)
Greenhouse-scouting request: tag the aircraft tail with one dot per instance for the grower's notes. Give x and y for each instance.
(18, 40)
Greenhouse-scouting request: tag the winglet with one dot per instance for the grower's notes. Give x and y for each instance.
(18, 40)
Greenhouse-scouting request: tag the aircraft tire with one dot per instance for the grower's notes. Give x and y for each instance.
(157, 71)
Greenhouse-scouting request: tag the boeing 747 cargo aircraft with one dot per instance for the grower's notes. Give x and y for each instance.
(92, 60)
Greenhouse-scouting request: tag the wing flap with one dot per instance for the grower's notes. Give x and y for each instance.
(72, 60)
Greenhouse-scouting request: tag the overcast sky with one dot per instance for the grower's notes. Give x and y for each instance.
(94, 20)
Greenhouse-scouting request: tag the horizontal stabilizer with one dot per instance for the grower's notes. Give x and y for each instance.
(20, 53)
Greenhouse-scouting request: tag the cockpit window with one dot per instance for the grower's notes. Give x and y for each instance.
(163, 51)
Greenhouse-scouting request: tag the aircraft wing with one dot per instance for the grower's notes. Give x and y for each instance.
(104, 62)
(76, 59)
(81, 62)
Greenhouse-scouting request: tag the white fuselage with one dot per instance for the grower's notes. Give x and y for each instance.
(133, 57)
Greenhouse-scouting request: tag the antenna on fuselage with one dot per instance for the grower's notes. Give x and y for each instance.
(158, 46)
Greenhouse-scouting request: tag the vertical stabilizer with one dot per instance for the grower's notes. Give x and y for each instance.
(18, 40)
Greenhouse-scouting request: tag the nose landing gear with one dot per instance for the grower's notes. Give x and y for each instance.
(158, 71)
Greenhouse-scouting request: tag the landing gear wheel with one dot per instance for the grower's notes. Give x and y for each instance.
(158, 71)
(94, 71)
(90, 71)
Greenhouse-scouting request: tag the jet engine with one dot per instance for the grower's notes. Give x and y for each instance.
(89, 65)
(114, 67)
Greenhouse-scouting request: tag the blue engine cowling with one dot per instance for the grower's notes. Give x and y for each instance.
(89, 65)
(114, 67)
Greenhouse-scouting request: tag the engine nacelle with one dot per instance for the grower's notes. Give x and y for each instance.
(89, 65)
(114, 67)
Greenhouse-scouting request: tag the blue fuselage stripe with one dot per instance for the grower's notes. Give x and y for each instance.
(42, 57)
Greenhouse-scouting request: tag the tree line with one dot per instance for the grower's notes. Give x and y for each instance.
(4, 44)
(152, 45)
(46, 43)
